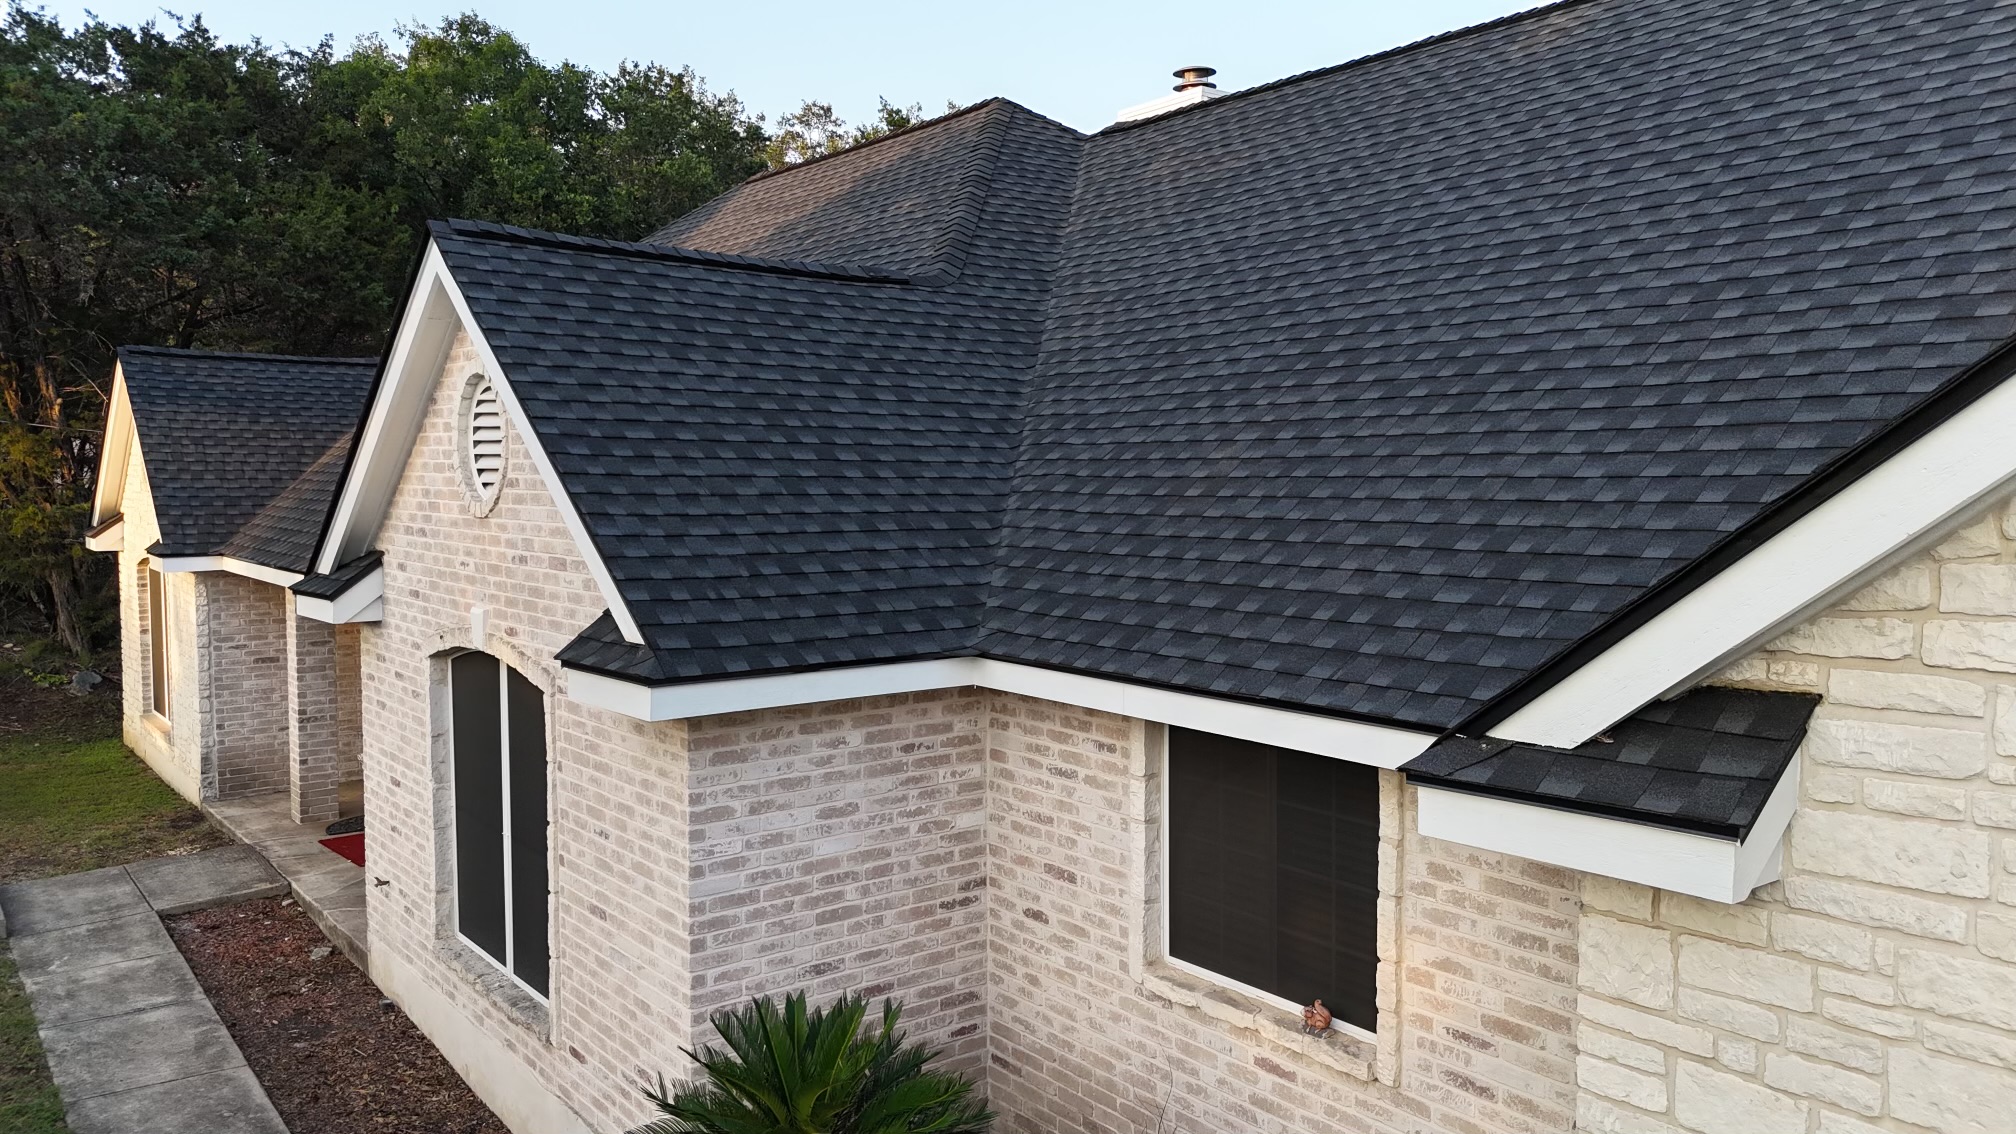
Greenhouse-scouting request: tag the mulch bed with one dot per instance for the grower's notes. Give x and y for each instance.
(332, 1057)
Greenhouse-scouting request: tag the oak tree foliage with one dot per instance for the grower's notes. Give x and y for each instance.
(159, 186)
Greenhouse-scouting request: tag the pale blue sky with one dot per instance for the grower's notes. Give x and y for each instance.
(1077, 62)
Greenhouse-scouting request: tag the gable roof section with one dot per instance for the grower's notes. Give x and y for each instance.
(785, 470)
(1369, 392)
(243, 451)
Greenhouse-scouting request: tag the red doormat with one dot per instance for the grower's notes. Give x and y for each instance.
(349, 846)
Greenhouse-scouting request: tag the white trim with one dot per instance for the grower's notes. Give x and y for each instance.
(111, 539)
(419, 348)
(108, 498)
(1720, 870)
(1294, 1010)
(172, 564)
(1886, 513)
(1379, 745)
(363, 601)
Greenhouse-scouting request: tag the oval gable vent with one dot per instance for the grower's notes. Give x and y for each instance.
(486, 439)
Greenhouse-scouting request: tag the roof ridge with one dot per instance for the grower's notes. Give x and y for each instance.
(197, 352)
(490, 230)
(1439, 38)
(913, 128)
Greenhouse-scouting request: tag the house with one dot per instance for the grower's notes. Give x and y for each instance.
(1511, 536)
(214, 485)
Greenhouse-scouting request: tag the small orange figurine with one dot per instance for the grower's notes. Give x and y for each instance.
(1315, 1019)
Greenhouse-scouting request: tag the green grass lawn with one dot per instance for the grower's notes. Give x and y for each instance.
(28, 1100)
(71, 798)
(80, 802)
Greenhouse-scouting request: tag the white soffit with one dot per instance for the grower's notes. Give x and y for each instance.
(362, 602)
(169, 564)
(111, 539)
(1378, 745)
(1720, 870)
(434, 311)
(1824, 554)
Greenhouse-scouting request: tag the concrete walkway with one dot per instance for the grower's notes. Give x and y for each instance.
(328, 886)
(132, 1042)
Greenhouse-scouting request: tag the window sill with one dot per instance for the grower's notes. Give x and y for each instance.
(157, 722)
(518, 1003)
(1345, 1051)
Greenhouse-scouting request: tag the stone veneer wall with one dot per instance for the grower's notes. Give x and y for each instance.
(1090, 1033)
(1874, 988)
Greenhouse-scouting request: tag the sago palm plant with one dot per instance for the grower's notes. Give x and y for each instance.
(787, 1070)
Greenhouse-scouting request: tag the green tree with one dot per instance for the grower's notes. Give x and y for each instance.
(787, 1070)
(814, 130)
(160, 187)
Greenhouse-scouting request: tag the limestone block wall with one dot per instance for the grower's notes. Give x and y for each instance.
(840, 847)
(241, 685)
(1090, 1033)
(1874, 988)
(620, 1004)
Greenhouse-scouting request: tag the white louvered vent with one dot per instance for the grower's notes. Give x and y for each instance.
(486, 439)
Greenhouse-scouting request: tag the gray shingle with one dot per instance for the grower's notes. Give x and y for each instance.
(244, 451)
(1369, 392)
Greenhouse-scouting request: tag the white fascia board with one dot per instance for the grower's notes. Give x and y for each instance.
(1720, 870)
(170, 564)
(1863, 529)
(361, 603)
(1379, 745)
(420, 347)
(108, 499)
(111, 539)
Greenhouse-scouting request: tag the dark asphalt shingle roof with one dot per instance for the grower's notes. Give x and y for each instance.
(1367, 392)
(243, 451)
(1705, 762)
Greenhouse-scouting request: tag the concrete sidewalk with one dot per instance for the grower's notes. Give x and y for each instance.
(329, 887)
(132, 1042)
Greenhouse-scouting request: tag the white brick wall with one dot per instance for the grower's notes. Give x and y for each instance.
(1870, 989)
(621, 1000)
(226, 731)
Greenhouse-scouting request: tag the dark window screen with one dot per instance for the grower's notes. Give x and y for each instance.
(1274, 870)
(528, 831)
(479, 801)
(157, 639)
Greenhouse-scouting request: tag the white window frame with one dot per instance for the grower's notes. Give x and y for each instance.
(160, 661)
(504, 672)
(1158, 739)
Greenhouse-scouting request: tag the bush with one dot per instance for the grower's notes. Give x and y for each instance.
(787, 1070)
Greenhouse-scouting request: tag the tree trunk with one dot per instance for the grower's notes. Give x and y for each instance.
(64, 602)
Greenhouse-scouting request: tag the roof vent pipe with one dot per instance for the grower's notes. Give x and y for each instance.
(1193, 85)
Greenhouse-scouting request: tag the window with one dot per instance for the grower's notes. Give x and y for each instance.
(1273, 871)
(498, 743)
(157, 642)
